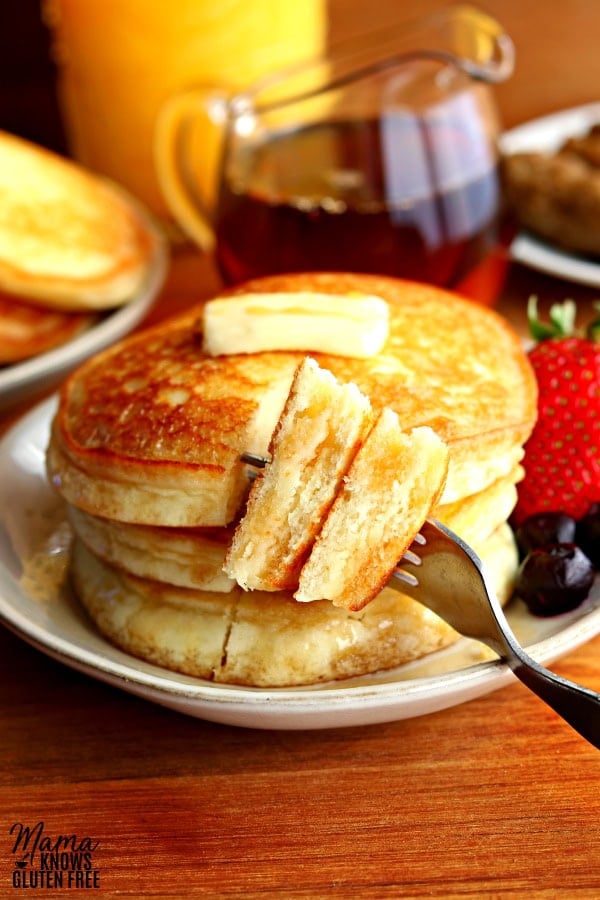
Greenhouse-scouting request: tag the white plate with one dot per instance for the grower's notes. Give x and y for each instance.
(546, 135)
(32, 527)
(22, 381)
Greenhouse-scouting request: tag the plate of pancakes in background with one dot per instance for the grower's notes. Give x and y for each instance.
(119, 499)
(80, 264)
(551, 171)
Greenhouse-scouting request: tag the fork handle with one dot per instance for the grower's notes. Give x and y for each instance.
(577, 705)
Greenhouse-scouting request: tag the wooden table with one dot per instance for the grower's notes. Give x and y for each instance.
(494, 798)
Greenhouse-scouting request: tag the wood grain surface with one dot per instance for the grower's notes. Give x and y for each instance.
(496, 798)
(493, 798)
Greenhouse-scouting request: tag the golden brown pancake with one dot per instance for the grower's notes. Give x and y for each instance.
(27, 330)
(267, 639)
(474, 518)
(151, 431)
(69, 240)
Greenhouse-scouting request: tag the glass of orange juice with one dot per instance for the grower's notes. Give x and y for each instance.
(118, 61)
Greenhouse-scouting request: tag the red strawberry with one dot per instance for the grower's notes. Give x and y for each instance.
(562, 456)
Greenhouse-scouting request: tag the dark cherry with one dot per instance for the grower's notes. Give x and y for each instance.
(545, 528)
(554, 579)
(587, 535)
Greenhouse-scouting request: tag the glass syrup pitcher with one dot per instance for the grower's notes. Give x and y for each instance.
(379, 157)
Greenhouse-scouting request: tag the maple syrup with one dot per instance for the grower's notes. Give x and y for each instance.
(396, 196)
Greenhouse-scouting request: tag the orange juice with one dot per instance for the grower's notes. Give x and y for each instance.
(120, 59)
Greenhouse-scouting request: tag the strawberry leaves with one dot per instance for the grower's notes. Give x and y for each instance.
(561, 316)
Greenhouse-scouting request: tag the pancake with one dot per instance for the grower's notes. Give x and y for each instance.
(474, 518)
(27, 330)
(151, 431)
(266, 639)
(190, 557)
(69, 240)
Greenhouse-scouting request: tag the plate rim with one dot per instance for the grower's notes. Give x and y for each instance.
(379, 698)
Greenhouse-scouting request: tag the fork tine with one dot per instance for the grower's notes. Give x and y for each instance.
(254, 459)
(405, 577)
(411, 557)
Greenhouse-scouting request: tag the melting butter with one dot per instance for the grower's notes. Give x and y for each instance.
(353, 325)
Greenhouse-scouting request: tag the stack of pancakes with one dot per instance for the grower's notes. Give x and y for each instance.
(146, 450)
(71, 244)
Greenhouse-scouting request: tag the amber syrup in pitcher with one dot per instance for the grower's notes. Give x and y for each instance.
(362, 196)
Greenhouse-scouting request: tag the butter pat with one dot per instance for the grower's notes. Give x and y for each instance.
(354, 325)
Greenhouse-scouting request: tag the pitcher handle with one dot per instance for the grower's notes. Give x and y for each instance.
(189, 201)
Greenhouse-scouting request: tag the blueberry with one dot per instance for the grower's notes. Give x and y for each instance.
(554, 579)
(587, 535)
(545, 528)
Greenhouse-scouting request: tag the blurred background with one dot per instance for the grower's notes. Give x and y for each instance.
(558, 63)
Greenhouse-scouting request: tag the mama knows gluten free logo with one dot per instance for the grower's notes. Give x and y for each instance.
(45, 861)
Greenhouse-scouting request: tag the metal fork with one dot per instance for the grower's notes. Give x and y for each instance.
(442, 572)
